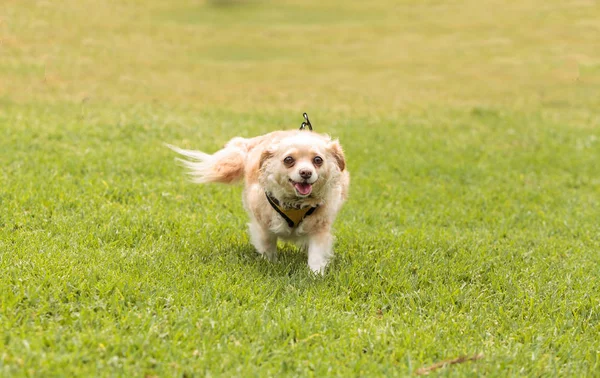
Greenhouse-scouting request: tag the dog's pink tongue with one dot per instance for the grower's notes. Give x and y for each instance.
(303, 188)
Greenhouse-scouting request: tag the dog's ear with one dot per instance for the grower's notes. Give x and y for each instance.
(266, 155)
(336, 151)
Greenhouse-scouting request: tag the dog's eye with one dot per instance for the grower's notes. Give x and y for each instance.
(288, 161)
(318, 160)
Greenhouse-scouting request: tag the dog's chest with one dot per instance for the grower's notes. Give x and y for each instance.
(280, 227)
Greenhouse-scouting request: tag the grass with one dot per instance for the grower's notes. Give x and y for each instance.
(472, 136)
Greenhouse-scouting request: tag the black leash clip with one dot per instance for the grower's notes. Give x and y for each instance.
(305, 123)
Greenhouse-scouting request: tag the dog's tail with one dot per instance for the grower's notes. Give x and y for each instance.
(224, 166)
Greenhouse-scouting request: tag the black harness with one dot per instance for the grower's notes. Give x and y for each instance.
(292, 216)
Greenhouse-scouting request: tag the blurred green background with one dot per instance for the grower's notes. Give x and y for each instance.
(340, 56)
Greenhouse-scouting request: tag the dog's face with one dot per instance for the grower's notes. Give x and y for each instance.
(301, 166)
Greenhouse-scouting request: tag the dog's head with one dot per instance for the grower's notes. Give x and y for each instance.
(302, 165)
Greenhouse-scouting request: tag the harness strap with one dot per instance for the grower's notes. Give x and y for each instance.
(293, 217)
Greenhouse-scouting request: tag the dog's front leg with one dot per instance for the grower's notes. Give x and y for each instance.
(319, 251)
(264, 241)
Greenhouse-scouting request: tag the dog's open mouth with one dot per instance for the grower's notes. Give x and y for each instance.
(302, 188)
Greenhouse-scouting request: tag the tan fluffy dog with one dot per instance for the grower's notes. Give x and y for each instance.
(295, 184)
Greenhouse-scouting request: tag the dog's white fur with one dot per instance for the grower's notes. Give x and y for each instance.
(260, 162)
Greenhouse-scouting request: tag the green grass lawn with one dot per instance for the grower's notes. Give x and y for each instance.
(471, 131)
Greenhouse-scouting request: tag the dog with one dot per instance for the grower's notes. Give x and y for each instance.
(295, 183)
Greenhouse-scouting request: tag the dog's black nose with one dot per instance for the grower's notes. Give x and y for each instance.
(305, 173)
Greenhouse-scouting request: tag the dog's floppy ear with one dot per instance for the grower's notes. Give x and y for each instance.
(266, 155)
(336, 151)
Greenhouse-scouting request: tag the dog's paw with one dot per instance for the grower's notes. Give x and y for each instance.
(318, 267)
(269, 255)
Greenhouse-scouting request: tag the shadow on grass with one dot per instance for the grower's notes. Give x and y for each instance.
(291, 261)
